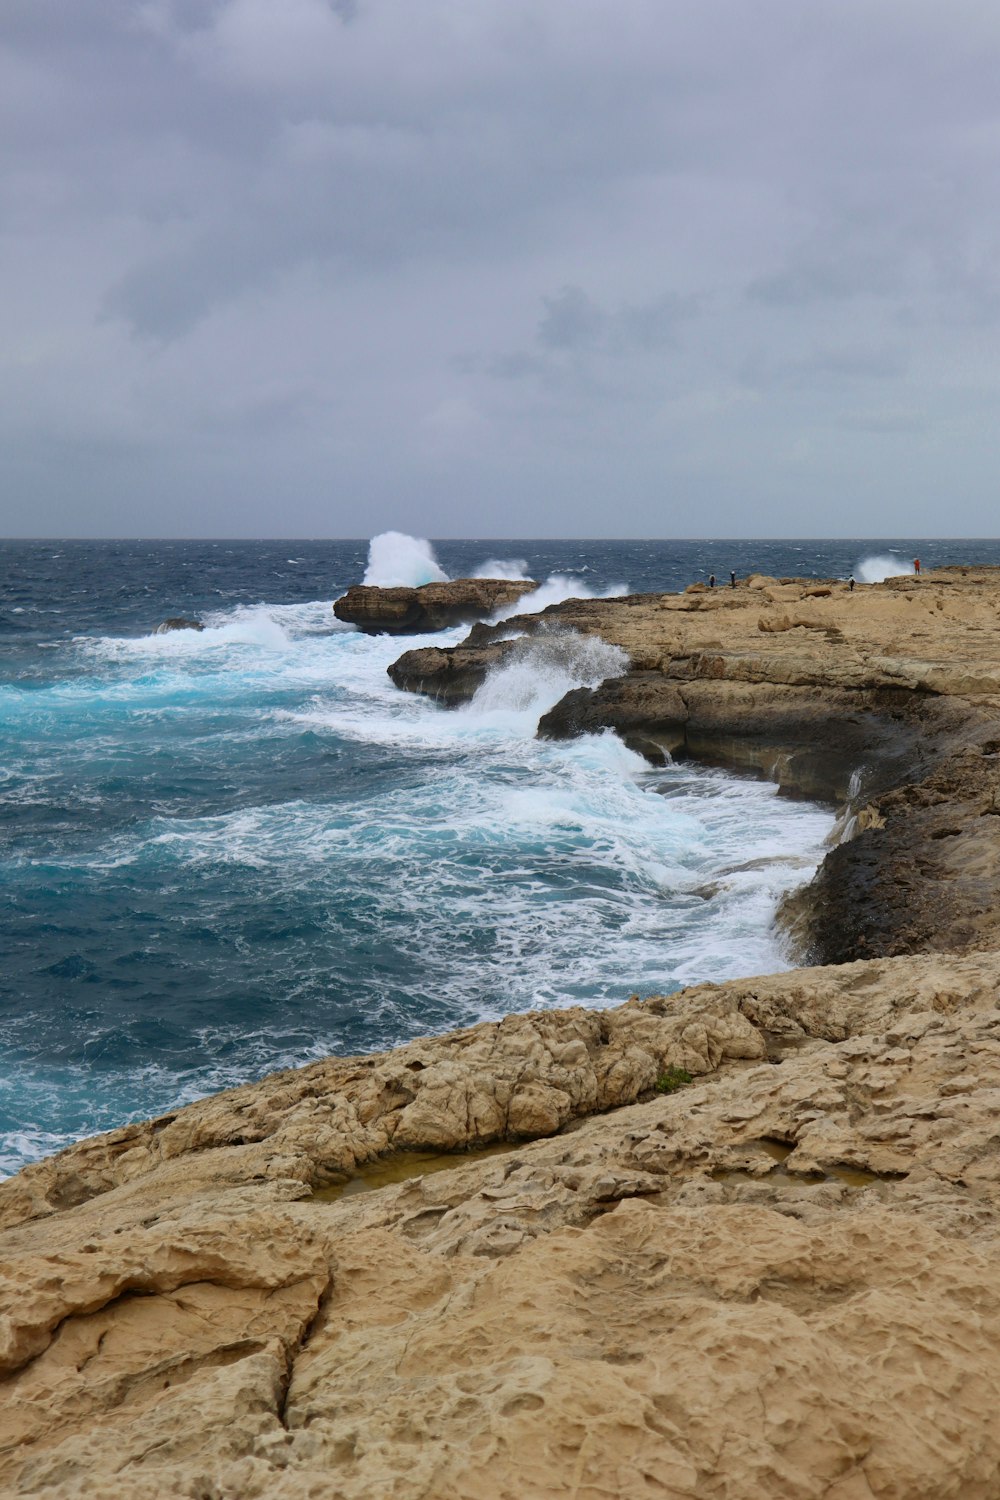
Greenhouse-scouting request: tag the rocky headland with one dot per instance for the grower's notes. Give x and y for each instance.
(738, 1242)
(884, 700)
(432, 606)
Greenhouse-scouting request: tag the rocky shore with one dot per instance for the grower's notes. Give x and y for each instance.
(884, 700)
(738, 1242)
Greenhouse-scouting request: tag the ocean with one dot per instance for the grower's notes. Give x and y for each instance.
(227, 852)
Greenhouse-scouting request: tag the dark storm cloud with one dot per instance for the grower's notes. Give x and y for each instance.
(332, 264)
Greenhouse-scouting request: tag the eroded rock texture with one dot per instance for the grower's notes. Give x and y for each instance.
(433, 606)
(781, 1279)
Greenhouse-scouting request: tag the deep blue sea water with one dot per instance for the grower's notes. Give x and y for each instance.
(227, 852)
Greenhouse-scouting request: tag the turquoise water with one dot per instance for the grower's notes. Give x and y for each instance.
(227, 852)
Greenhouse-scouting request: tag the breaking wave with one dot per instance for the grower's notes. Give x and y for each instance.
(880, 566)
(396, 560)
(247, 849)
(541, 669)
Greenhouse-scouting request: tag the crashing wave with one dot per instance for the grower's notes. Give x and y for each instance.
(397, 560)
(880, 566)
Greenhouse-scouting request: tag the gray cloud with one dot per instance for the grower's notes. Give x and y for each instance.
(247, 248)
(837, 364)
(571, 322)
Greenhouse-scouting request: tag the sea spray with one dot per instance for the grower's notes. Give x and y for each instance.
(556, 588)
(396, 560)
(540, 669)
(514, 568)
(880, 566)
(846, 826)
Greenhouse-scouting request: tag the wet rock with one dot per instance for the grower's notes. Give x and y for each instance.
(450, 677)
(177, 622)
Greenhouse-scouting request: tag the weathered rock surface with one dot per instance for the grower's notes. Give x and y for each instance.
(433, 606)
(781, 1280)
(885, 700)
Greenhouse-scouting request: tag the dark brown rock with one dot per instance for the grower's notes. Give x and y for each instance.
(449, 676)
(177, 622)
(434, 606)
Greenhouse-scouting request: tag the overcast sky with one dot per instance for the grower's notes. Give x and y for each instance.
(499, 267)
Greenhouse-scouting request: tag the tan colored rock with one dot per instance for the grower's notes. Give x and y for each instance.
(432, 606)
(781, 1279)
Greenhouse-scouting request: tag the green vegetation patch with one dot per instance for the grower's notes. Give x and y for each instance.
(672, 1079)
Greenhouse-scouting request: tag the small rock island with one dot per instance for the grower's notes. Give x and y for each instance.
(432, 606)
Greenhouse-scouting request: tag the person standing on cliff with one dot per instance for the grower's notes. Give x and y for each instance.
(711, 580)
(851, 582)
(916, 566)
(732, 578)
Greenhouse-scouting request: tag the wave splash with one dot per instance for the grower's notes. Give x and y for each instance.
(540, 670)
(264, 628)
(336, 866)
(880, 566)
(556, 588)
(396, 560)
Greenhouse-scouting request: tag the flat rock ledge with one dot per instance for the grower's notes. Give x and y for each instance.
(781, 1279)
(433, 606)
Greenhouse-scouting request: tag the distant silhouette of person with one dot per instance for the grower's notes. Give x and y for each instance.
(852, 585)
(916, 566)
(711, 580)
(732, 579)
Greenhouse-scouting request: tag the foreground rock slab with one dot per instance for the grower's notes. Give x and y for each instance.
(433, 606)
(779, 1280)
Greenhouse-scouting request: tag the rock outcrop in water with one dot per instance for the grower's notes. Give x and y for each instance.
(433, 606)
(177, 622)
(778, 1279)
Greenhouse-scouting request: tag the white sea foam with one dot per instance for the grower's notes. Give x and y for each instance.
(462, 869)
(592, 873)
(29, 1144)
(264, 627)
(880, 566)
(541, 669)
(556, 588)
(514, 568)
(396, 560)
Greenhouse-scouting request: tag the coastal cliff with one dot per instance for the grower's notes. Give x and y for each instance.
(884, 700)
(738, 1241)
